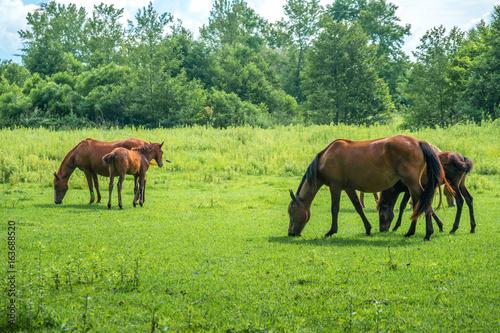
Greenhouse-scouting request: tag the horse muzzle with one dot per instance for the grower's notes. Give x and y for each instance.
(293, 234)
(58, 202)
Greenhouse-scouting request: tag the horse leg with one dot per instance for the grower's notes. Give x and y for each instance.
(362, 199)
(459, 200)
(119, 186)
(468, 200)
(88, 175)
(96, 185)
(136, 190)
(111, 179)
(355, 201)
(438, 221)
(335, 193)
(402, 208)
(143, 192)
(375, 195)
(429, 229)
(415, 192)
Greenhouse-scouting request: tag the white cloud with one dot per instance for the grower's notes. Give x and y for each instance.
(12, 13)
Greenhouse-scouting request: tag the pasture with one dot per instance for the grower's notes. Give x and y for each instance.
(209, 250)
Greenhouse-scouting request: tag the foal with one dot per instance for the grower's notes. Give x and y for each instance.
(135, 162)
(456, 167)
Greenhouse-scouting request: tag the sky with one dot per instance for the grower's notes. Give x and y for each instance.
(422, 15)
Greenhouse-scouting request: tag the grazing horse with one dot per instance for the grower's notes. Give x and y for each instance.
(367, 166)
(456, 167)
(87, 156)
(135, 162)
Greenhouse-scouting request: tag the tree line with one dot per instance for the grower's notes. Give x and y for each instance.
(342, 63)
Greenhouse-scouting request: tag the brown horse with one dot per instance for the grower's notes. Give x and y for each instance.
(135, 162)
(368, 166)
(456, 167)
(87, 156)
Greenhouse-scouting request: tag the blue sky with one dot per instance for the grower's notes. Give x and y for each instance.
(422, 15)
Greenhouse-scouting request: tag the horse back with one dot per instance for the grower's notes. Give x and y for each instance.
(355, 164)
(90, 152)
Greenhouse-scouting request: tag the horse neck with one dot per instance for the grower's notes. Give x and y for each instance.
(308, 192)
(67, 166)
(149, 154)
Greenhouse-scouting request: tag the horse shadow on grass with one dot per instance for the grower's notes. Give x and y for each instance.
(379, 239)
(73, 206)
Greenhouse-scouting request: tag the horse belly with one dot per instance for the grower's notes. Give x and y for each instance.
(374, 182)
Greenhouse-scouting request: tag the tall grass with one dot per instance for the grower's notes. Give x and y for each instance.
(31, 155)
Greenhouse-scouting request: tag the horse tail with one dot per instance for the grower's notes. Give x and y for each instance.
(435, 174)
(109, 158)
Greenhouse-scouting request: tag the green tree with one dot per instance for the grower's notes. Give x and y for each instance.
(14, 73)
(103, 36)
(54, 30)
(233, 22)
(15, 107)
(483, 89)
(437, 80)
(303, 25)
(146, 57)
(340, 78)
(378, 20)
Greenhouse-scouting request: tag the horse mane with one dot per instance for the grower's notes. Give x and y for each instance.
(142, 149)
(311, 174)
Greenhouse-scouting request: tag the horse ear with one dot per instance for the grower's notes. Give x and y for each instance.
(294, 198)
(162, 144)
(55, 175)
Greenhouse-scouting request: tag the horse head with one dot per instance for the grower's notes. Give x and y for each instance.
(159, 154)
(385, 215)
(298, 214)
(60, 188)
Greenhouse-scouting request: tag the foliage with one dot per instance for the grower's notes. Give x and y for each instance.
(341, 58)
(483, 90)
(154, 72)
(437, 80)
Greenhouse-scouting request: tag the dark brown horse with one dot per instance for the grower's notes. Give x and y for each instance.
(87, 156)
(456, 167)
(135, 162)
(368, 166)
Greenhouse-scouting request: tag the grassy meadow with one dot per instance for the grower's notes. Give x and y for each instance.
(209, 250)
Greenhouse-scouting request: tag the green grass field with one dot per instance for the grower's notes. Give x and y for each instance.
(209, 251)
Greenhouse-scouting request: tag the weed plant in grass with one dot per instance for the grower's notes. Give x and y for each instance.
(209, 251)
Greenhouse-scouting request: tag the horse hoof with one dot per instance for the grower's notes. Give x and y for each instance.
(453, 231)
(408, 235)
(427, 239)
